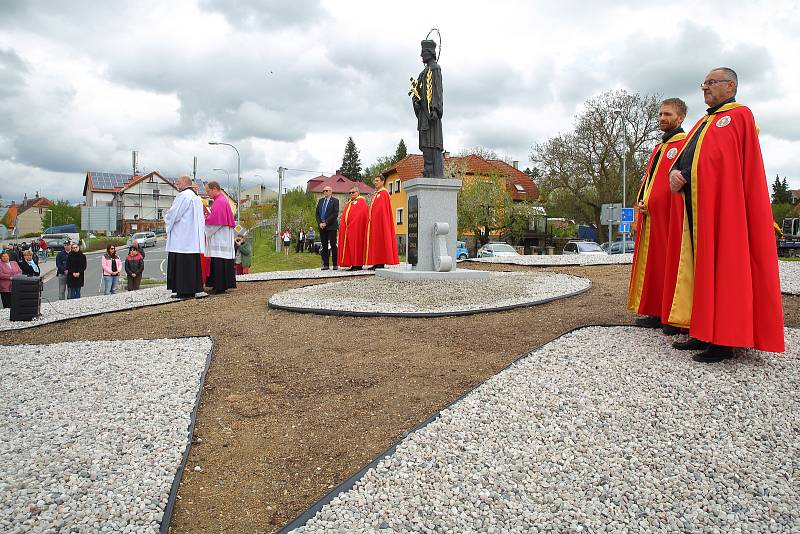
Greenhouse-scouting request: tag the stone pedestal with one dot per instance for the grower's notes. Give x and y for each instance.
(432, 224)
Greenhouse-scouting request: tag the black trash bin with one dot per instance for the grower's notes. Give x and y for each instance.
(26, 297)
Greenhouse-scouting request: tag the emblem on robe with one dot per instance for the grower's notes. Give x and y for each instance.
(723, 121)
(672, 152)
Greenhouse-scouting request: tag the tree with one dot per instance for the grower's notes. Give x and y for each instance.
(483, 206)
(298, 209)
(63, 213)
(781, 194)
(483, 152)
(351, 162)
(581, 169)
(401, 151)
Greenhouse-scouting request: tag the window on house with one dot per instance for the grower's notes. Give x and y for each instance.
(255, 197)
(519, 188)
(399, 216)
(390, 188)
(155, 194)
(160, 214)
(397, 186)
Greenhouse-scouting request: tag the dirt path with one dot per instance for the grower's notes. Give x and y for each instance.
(294, 403)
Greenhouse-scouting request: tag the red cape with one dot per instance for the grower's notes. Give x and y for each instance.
(729, 290)
(381, 238)
(652, 231)
(353, 233)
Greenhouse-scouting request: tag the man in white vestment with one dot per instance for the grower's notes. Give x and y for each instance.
(186, 240)
(220, 235)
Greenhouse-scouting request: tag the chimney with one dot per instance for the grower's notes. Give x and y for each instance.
(515, 163)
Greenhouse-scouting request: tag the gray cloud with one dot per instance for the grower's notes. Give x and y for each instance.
(275, 14)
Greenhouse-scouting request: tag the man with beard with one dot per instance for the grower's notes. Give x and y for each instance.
(654, 202)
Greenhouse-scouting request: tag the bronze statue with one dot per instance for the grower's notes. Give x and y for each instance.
(426, 97)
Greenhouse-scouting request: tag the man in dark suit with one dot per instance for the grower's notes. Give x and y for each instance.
(328, 221)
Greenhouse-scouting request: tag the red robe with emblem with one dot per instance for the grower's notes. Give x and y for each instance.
(353, 233)
(381, 237)
(730, 288)
(650, 261)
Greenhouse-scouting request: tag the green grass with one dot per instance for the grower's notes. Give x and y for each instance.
(794, 258)
(266, 259)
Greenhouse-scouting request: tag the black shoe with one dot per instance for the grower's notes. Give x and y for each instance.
(174, 296)
(355, 268)
(690, 344)
(651, 321)
(325, 268)
(335, 267)
(670, 330)
(714, 354)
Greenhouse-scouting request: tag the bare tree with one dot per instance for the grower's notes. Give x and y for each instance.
(582, 169)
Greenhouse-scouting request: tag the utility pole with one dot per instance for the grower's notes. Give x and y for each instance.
(280, 210)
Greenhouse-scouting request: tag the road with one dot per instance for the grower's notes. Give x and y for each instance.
(155, 267)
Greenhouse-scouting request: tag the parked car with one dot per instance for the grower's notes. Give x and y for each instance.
(461, 250)
(582, 247)
(616, 247)
(159, 230)
(490, 250)
(145, 239)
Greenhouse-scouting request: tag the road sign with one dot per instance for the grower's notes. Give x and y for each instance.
(627, 215)
(625, 228)
(610, 213)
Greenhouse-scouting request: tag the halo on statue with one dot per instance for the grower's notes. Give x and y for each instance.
(439, 44)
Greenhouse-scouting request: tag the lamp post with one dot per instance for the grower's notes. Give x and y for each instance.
(228, 183)
(618, 113)
(51, 218)
(238, 178)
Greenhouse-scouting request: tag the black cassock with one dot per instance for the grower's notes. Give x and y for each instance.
(429, 118)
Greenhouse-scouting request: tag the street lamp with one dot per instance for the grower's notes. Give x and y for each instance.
(618, 113)
(51, 217)
(228, 185)
(238, 178)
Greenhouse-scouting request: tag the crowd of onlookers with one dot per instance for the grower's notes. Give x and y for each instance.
(303, 240)
(22, 259)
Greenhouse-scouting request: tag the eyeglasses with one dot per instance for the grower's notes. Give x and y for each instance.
(709, 83)
(353, 192)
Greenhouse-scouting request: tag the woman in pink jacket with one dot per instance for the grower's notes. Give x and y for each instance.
(8, 269)
(112, 266)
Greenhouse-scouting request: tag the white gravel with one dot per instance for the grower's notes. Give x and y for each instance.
(790, 277)
(300, 274)
(92, 433)
(380, 295)
(602, 430)
(67, 309)
(562, 259)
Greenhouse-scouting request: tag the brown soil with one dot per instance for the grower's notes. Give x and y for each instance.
(294, 404)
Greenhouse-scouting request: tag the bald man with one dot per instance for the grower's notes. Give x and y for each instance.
(186, 241)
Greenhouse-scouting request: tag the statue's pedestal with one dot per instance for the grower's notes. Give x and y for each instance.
(431, 224)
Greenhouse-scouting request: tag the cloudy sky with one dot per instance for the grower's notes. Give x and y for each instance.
(287, 81)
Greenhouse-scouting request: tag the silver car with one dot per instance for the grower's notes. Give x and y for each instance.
(490, 250)
(582, 247)
(144, 239)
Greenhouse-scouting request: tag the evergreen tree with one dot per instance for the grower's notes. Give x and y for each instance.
(780, 191)
(401, 151)
(351, 162)
(789, 198)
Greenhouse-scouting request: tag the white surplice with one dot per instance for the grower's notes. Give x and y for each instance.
(219, 241)
(186, 224)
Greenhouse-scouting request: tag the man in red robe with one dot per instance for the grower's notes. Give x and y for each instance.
(381, 238)
(653, 224)
(353, 231)
(727, 288)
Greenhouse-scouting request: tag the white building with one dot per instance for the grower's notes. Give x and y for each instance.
(138, 202)
(257, 195)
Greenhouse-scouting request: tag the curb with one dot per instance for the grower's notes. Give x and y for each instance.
(348, 484)
(166, 519)
(419, 315)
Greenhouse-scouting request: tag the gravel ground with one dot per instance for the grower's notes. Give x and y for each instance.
(299, 274)
(383, 296)
(605, 430)
(93, 433)
(790, 277)
(67, 309)
(562, 259)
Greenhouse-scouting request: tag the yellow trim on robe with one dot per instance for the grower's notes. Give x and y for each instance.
(369, 220)
(680, 314)
(640, 267)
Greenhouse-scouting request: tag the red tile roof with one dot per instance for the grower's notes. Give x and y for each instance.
(411, 167)
(338, 183)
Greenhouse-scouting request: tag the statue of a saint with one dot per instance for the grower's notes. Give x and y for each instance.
(426, 96)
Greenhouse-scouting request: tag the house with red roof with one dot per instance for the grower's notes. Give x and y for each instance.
(520, 186)
(339, 184)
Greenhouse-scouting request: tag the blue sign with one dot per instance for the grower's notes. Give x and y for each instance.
(627, 215)
(624, 228)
